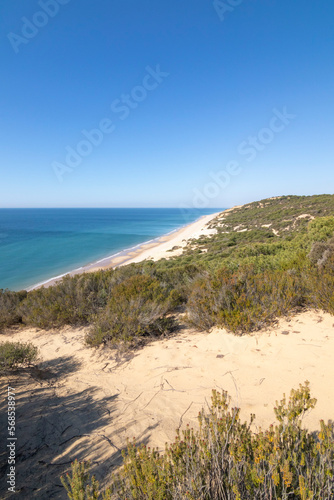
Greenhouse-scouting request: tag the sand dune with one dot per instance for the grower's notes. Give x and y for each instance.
(84, 403)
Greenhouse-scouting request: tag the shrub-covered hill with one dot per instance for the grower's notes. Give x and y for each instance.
(274, 220)
(266, 259)
(282, 213)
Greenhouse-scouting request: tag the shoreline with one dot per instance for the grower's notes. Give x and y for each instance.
(155, 249)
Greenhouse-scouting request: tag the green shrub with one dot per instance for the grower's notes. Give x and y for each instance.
(73, 301)
(321, 229)
(177, 278)
(244, 300)
(9, 305)
(136, 309)
(320, 252)
(320, 281)
(14, 354)
(225, 459)
(80, 486)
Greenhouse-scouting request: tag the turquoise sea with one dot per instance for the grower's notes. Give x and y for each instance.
(39, 244)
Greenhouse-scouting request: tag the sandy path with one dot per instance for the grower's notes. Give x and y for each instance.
(82, 404)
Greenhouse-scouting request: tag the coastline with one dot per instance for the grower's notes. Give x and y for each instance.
(158, 248)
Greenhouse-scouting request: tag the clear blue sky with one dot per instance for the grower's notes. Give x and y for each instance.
(203, 84)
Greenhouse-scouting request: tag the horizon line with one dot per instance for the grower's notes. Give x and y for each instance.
(107, 208)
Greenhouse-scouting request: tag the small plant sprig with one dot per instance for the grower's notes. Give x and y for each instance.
(80, 485)
(300, 402)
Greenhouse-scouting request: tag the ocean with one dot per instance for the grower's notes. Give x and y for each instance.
(39, 244)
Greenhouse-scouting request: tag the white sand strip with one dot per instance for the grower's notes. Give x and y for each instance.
(156, 249)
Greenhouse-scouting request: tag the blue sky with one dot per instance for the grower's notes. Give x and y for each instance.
(125, 103)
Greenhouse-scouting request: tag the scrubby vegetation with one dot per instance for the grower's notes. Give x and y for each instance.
(225, 460)
(136, 309)
(15, 354)
(9, 307)
(266, 259)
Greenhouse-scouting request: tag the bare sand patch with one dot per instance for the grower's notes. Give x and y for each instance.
(83, 403)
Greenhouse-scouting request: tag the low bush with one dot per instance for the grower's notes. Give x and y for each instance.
(9, 307)
(14, 354)
(80, 486)
(320, 252)
(72, 301)
(244, 300)
(321, 229)
(177, 278)
(320, 281)
(225, 460)
(137, 309)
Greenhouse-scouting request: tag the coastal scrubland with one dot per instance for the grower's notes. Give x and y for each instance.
(265, 260)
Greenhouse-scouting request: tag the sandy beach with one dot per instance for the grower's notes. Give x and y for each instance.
(84, 403)
(162, 247)
(157, 249)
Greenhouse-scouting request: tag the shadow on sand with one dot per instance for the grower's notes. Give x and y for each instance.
(52, 430)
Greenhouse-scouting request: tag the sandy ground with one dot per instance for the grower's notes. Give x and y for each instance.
(155, 250)
(83, 403)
